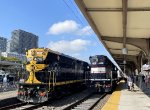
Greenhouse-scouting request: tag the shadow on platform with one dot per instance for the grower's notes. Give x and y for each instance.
(121, 86)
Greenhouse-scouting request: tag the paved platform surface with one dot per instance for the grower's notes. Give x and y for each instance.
(122, 99)
(9, 94)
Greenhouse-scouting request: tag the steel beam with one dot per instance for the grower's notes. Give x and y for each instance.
(138, 42)
(129, 58)
(116, 9)
(104, 9)
(124, 20)
(121, 49)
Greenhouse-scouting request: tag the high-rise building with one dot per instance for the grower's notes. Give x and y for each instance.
(22, 40)
(8, 46)
(3, 43)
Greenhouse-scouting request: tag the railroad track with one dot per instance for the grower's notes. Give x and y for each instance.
(87, 103)
(58, 105)
(23, 106)
(13, 106)
(26, 107)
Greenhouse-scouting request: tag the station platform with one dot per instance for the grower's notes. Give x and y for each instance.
(8, 95)
(123, 99)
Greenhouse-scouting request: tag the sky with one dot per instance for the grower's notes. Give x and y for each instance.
(59, 24)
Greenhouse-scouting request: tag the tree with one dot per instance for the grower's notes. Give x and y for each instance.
(12, 59)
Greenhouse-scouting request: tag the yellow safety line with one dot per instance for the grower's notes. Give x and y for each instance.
(113, 101)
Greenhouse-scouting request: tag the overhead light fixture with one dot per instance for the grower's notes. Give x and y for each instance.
(124, 62)
(124, 51)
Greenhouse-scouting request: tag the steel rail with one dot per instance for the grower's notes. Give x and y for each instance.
(72, 106)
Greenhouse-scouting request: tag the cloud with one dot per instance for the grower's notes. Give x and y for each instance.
(69, 27)
(73, 47)
(85, 31)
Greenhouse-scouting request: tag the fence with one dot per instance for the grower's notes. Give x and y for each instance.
(8, 86)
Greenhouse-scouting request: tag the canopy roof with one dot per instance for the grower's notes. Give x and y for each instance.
(119, 23)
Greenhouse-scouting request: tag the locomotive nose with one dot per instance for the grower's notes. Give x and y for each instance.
(32, 68)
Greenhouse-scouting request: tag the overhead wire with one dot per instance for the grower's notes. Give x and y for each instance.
(65, 2)
(72, 12)
(83, 25)
(77, 11)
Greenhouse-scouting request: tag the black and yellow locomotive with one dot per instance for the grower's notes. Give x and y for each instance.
(50, 73)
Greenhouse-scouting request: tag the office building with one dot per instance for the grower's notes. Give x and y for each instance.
(22, 40)
(8, 46)
(3, 44)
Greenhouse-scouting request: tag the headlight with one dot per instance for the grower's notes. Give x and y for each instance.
(33, 53)
(44, 53)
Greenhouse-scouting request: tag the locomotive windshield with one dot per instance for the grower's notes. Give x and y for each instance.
(94, 60)
(97, 60)
(39, 60)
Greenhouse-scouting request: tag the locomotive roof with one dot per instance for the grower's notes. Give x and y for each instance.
(72, 57)
(62, 54)
(100, 56)
(58, 53)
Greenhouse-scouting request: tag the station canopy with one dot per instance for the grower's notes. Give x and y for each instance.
(119, 24)
(5, 65)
